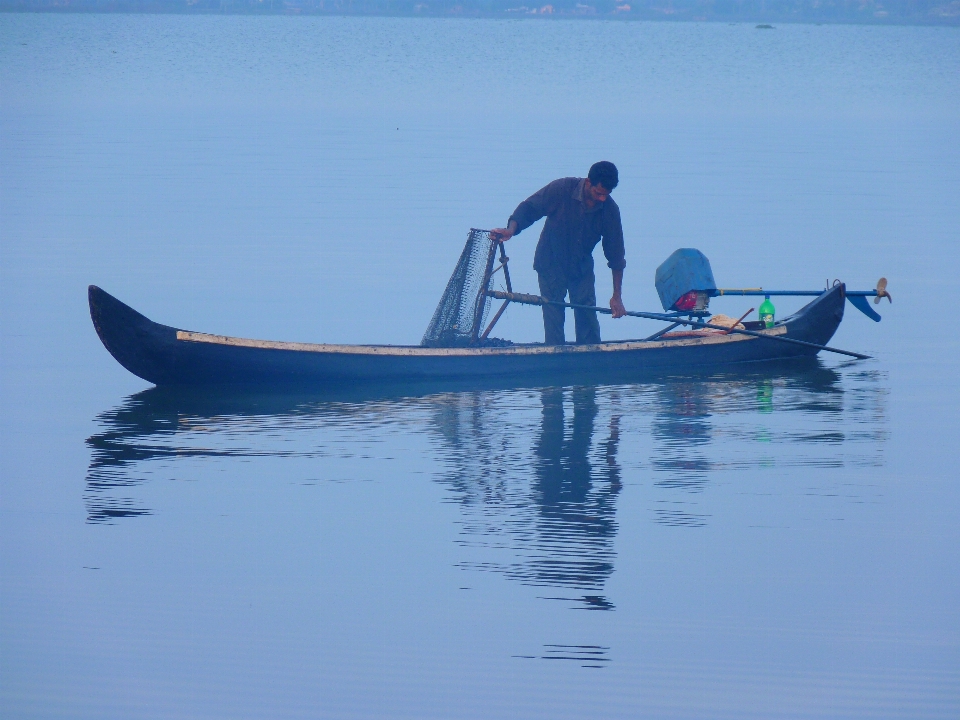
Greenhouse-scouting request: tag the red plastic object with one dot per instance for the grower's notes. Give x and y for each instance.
(686, 302)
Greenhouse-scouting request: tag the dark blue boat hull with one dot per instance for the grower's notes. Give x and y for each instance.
(165, 355)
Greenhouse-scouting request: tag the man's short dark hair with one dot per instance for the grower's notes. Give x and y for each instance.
(604, 173)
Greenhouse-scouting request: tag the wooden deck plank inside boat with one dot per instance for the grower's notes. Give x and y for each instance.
(416, 350)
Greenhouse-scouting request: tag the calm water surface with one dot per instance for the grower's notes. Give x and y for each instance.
(771, 542)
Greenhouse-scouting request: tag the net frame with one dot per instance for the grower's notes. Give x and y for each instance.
(464, 305)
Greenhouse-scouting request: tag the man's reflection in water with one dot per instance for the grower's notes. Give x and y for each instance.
(557, 524)
(576, 520)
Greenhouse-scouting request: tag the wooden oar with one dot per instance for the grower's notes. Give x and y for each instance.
(526, 299)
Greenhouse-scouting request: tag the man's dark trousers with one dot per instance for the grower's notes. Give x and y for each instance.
(554, 286)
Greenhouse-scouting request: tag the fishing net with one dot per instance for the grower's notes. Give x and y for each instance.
(459, 318)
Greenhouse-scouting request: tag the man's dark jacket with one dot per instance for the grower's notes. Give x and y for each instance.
(571, 231)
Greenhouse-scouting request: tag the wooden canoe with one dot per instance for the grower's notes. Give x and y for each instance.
(166, 355)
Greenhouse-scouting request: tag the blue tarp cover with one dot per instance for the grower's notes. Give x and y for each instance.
(685, 270)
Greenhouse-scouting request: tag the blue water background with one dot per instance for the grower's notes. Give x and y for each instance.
(761, 543)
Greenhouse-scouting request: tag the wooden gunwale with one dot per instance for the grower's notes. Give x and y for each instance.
(417, 351)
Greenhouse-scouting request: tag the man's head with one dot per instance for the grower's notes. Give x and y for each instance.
(601, 180)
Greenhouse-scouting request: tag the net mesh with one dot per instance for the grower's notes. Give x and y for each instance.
(458, 319)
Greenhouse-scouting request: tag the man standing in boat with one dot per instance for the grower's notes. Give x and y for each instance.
(580, 213)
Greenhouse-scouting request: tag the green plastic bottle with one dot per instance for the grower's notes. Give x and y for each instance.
(767, 312)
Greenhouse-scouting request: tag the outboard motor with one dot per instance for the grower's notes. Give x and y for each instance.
(685, 282)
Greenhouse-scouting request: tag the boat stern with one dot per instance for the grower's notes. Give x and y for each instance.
(142, 346)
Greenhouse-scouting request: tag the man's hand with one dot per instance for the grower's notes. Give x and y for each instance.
(504, 234)
(616, 305)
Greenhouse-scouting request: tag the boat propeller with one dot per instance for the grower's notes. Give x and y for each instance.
(882, 291)
(859, 299)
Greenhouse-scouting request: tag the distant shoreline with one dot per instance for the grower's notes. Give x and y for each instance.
(764, 12)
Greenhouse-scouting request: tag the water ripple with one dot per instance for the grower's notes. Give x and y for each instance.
(535, 473)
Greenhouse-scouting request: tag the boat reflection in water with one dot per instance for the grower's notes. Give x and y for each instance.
(814, 420)
(536, 473)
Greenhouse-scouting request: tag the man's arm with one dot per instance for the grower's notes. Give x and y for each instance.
(616, 304)
(614, 251)
(541, 203)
